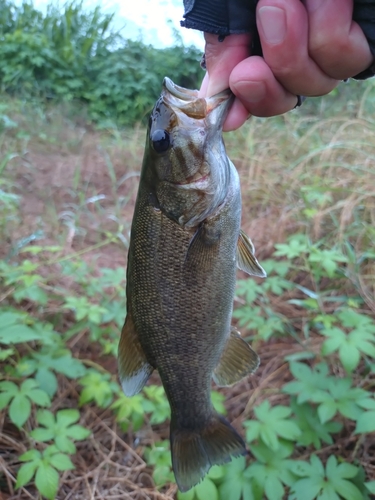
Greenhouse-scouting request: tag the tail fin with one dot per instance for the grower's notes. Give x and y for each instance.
(195, 452)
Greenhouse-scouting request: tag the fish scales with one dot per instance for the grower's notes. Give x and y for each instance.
(185, 246)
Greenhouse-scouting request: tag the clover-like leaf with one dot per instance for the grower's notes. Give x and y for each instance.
(61, 428)
(333, 481)
(272, 424)
(360, 338)
(43, 466)
(19, 399)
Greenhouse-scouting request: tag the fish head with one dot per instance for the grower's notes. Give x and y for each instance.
(187, 152)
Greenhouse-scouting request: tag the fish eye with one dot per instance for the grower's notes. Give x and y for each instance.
(160, 140)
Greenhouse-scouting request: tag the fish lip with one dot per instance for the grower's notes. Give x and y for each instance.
(200, 183)
(189, 101)
(179, 92)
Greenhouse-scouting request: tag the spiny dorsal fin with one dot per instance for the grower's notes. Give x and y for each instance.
(246, 260)
(237, 361)
(134, 369)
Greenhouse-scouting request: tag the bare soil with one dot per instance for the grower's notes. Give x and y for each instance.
(109, 465)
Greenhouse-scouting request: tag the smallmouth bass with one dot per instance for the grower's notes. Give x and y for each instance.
(185, 245)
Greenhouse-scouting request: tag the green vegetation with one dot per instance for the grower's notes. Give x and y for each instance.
(73, 54)
(67, 193)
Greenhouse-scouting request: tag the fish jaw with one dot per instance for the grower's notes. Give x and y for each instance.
(191, 174)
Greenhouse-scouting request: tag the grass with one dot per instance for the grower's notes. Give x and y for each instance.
(309, 173)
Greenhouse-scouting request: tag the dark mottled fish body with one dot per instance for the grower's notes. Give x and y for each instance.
(185, 246)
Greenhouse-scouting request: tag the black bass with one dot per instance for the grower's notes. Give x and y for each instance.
(185, 246)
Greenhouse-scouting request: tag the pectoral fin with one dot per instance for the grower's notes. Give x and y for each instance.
(203, 246)
(246, 260)
(237, 361)
(134, 369)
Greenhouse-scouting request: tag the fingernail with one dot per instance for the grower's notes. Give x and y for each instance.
(250, 91)
(273, 23)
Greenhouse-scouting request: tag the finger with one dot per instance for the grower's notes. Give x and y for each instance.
(221, 58)
(237, 116)
(336, 43)
(254, 84)
(283, 30)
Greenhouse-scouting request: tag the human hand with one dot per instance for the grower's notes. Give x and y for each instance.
(307, 49)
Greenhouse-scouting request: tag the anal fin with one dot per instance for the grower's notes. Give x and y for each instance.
(246, 260)
(134, 369)
(237, 361)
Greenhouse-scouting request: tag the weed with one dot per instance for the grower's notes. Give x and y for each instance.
(310, 409)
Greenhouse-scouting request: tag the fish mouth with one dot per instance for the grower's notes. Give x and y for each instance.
(196, 181)
(179, 92)
(189, 102)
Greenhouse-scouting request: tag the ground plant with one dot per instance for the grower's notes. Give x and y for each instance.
(67, 193)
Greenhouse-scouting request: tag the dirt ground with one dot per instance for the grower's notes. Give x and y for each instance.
(75, 195)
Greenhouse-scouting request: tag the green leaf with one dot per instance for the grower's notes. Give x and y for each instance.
(162, 474)
(273, 488)
(61, 462)
(187, 495)
(216, 472)
(66, 417)
(9, 387)
(312, 430)
(45, 417)
(19, 410)
(231, 488)
(349, 356)
(65, 444)
(47, 481)
(317, 465)
(39, 397)
(6, 353)
(47, 380)
(305, 489)
(25, 473)
(78, 432)
(28, 385)
(252, 430)
(347, 489)
(206, 489)
(30, 455)
(365, 423)
(327, 411)
(9, 391)
(218, 402)
(288, 430)
(17, 333)
(371, 486)
(40, 434)
(269, 437)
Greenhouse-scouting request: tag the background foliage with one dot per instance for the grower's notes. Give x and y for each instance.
(67, 194)
(71, 53)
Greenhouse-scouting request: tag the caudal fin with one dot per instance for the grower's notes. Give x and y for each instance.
(195, 452)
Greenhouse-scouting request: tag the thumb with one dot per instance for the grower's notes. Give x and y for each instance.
(221, 58)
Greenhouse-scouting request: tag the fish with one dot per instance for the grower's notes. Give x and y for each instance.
(185, 245)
